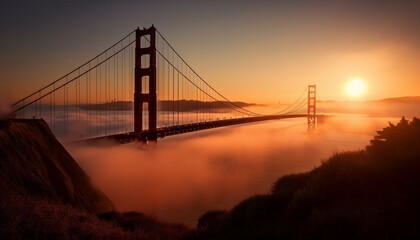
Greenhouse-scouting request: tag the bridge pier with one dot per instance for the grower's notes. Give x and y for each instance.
(149, 95)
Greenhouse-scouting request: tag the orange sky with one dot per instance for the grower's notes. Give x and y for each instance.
(265, 52)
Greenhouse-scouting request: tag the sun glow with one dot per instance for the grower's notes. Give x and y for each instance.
(355, 87)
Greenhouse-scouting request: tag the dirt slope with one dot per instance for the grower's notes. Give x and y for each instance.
(34, 164)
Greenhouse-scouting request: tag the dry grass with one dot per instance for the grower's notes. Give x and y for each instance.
(22, 218)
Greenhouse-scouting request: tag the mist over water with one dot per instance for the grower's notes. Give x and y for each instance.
(5, 104)
(193, 173)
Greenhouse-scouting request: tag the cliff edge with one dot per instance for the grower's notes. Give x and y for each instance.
(33, 164)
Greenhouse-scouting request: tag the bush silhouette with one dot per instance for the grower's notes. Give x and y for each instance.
(396, 139)
(210, 219)
(23, 218)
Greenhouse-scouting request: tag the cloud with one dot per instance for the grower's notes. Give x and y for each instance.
(214, 169)
(5, 105)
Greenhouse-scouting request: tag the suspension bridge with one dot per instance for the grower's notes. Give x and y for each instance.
(141, 89)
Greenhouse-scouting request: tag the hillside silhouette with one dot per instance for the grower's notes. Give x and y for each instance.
(44, 194)
(35, 165)
(168, 105)
(366, 194)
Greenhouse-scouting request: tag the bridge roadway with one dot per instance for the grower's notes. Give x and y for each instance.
(193, 127)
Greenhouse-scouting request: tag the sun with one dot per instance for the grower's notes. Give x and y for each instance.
(355, 87)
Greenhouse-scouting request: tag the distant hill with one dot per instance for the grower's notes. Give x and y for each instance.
(412, 99)
(407, 99)
(167, 105)
(193, 105)
(33, 164)
(112, 106)
(389, 107)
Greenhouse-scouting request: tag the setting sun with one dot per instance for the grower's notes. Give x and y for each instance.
(355, 87)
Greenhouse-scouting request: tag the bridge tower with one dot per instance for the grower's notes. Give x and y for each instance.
(311, 106)
(141, 96)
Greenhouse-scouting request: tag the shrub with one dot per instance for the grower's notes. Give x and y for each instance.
(210, 219)
(22, 218)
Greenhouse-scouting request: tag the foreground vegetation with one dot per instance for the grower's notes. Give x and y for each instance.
(366, 194)
(22, 218)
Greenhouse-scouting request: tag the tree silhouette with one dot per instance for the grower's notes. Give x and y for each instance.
(396, 139)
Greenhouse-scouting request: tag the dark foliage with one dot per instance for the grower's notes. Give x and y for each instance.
(141, 225)
(210, 219)
(32, 218)
(366, 194)
(22, 218)
(397, 141)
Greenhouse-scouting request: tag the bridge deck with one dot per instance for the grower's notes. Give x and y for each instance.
(185, 128)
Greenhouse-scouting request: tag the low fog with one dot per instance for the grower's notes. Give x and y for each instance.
(5, 106)
(213, 169)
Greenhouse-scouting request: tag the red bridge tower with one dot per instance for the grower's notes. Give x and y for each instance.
(311, 106)
(147, 74)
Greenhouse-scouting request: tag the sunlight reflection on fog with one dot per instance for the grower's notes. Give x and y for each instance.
(215, 169)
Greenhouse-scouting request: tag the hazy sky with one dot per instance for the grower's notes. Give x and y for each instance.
(258, 51)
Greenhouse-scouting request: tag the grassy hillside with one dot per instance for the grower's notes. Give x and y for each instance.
(366, 194)
(44, 194)
(34, 164)
(32, 218)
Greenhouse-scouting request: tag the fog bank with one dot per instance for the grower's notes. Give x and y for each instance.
(215, 169)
